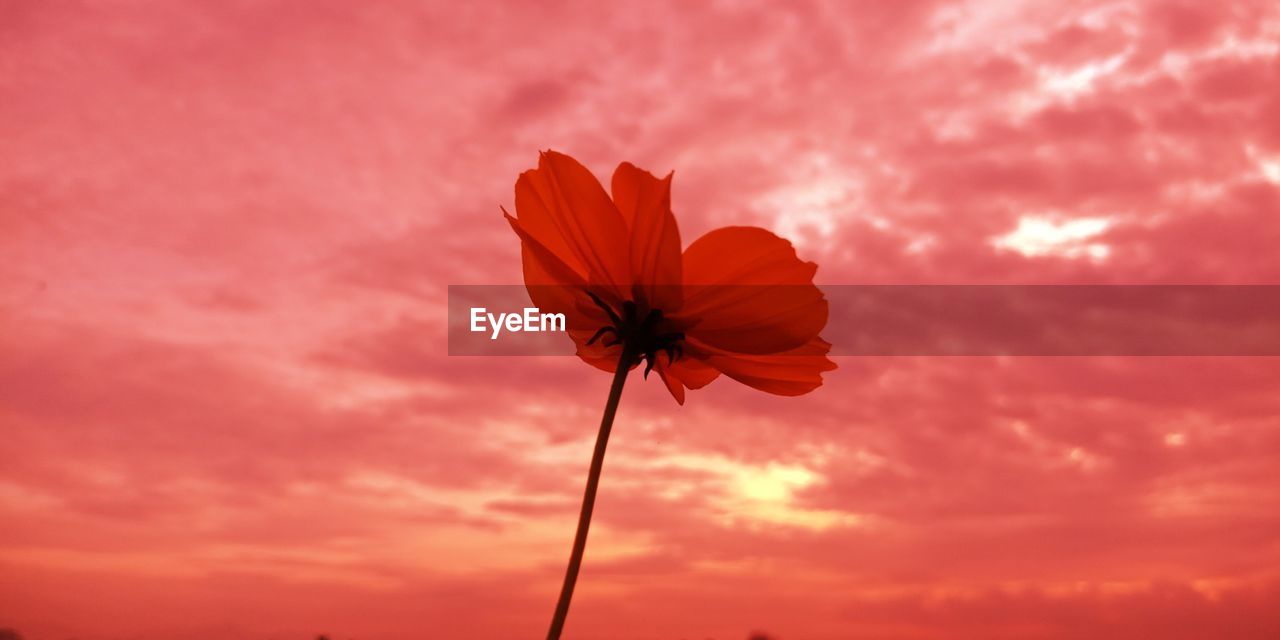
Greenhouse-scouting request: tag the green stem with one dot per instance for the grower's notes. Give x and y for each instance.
(589, 496)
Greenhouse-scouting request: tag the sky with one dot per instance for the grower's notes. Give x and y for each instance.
(227, 230)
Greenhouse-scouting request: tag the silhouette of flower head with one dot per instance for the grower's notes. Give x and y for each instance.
(738, 301)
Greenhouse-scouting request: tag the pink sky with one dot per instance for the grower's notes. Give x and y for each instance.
(227, 229)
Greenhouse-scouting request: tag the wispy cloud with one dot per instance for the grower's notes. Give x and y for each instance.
(228, 230)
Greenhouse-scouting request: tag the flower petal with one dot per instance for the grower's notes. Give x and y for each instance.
(792, 373)
(684, 372)
(596, 354)
(746, 291)
(645, 205)
(563, 207)
(553, 286)
(673, 383)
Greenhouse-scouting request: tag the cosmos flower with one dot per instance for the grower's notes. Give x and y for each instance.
(737, 301)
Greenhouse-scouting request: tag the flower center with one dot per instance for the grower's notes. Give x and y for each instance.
(643, 334)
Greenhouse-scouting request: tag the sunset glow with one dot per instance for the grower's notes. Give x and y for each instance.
(227, 409)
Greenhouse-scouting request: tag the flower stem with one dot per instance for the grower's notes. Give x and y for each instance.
(589, 496)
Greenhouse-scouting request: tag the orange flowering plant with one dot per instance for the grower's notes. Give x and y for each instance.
(738, 301)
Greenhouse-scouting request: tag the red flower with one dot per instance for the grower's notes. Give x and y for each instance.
(737, 301)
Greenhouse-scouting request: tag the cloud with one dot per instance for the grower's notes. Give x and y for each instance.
(229, 230)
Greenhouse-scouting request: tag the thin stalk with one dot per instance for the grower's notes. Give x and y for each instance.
(589, 496)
